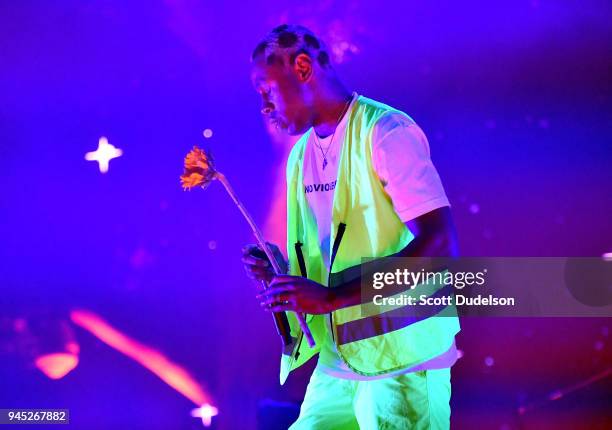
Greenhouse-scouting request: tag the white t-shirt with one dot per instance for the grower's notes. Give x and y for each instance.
(400, 156)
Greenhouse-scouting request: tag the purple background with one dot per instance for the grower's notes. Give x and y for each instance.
(515, 98)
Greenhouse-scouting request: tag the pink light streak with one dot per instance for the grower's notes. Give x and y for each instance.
(169, 372)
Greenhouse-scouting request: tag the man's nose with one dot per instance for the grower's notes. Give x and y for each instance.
(267, 108)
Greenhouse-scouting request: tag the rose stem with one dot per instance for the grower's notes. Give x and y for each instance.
(264, 246)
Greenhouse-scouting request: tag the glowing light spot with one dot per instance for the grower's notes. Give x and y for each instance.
(207, 133)
(489, 361)
(205, 412)
(599, 345)
(340, 49)
(607, 256)
(212, 244)
(141, 258)
(20, 325)
(103, 154)
(56, 365)
(474, 208)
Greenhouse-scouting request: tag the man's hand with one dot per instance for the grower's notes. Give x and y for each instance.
(294, 293)
(257, 265)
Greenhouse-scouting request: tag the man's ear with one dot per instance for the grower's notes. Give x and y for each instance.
(303, 67)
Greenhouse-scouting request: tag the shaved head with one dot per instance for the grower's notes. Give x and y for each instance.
(284, 43)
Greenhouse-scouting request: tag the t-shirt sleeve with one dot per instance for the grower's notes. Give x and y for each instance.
(401, 158)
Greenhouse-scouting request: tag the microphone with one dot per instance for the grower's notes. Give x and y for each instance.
(281, 323)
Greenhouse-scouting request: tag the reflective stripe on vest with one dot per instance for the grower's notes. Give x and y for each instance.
(389, 321)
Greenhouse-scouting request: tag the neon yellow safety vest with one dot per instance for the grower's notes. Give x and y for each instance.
(370, 340)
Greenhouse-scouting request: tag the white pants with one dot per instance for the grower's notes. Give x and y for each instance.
(418, 400)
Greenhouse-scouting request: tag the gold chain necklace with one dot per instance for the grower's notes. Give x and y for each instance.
(318, 142)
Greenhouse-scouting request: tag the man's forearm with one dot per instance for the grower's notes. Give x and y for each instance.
(432, 245)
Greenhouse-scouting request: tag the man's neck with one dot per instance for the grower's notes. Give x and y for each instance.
(329, 109)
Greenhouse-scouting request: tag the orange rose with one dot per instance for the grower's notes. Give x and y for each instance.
(199, 169)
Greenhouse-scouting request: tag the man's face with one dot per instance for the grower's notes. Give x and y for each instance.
(283, 96)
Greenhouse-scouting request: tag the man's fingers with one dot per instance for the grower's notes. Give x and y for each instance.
(254, 251)
(274, 296)
(281, 307)
(248, 248)
(270, 296)
(273, 300)
(279, 303)
(254, 261)
(276, 290)
(258, 273)
(280, 295)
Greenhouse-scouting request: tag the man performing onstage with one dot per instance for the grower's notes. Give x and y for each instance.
(360, 183)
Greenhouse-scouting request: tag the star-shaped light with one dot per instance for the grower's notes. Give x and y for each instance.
(103, 154)
(205, 412)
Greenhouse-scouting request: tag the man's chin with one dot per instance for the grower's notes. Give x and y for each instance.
(292, 130)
